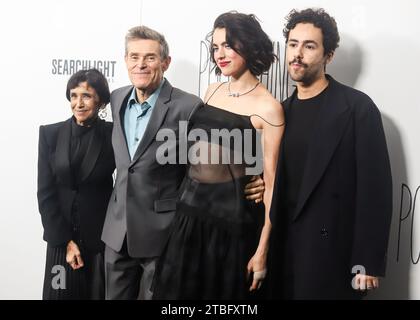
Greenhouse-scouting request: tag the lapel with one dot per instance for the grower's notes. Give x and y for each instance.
(92, 152)
(286, 109)
(121, 104)
(62, 153)
(156, 118)
(328, 130)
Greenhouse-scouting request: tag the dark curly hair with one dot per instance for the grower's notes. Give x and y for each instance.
(320, 19)
(245, 35)
(94, 79)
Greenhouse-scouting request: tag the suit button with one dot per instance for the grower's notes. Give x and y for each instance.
(324, 233)
(131, 170)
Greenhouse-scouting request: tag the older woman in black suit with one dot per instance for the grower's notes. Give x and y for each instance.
(75, 166)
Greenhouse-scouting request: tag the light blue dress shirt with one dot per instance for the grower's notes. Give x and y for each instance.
(136, 118)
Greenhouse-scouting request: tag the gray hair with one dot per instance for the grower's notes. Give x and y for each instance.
(143, 32)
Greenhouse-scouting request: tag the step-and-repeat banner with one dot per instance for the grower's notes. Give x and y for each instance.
(45, 42)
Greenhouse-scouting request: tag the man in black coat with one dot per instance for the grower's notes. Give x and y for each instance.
(332, 201)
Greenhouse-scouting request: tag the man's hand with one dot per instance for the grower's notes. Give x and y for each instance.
(254, 190)
(364, 282)
(73, 256)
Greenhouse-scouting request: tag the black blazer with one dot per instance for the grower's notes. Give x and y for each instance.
(58, 194)
(344, 209)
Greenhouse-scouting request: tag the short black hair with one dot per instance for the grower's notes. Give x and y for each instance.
(320, 19)
(94, 79)
(245, 35)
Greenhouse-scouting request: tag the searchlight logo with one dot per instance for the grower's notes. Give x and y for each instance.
(67, 67)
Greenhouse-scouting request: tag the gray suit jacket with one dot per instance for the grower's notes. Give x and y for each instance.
(143, 202)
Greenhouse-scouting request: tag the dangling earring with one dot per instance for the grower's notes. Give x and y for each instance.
(102, 112)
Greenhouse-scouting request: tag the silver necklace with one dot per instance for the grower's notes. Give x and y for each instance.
(237, 94)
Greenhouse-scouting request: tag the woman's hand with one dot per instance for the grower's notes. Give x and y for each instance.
(73, 256)
(257, 266)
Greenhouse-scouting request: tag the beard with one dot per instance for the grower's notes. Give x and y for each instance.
(307, 77)
(306, 74)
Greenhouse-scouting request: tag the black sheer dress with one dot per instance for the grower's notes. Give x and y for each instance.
(216, 230)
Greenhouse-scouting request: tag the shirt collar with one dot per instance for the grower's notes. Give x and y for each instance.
(151, 100)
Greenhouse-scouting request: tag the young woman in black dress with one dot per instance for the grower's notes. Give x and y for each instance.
(219, 241)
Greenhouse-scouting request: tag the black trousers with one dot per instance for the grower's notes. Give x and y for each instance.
(128, 278)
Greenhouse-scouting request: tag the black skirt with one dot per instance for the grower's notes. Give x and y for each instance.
(206, 256)
(61, 282)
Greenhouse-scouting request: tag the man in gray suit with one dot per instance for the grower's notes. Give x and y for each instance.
(145, 193)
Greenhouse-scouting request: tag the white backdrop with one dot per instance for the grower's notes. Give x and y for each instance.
(378, 54)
